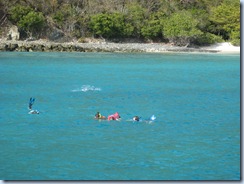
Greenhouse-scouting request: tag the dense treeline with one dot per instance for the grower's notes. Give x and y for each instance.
(181, 22)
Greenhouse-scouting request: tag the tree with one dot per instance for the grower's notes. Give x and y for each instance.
(136, 16)
(66, 18)
(152, 28)
(181, 28)
(27, 19)
(169, 6)
(18, 12)
(32, 23)
(226, 19)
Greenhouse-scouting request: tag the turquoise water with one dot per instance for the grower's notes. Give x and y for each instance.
(195, 97)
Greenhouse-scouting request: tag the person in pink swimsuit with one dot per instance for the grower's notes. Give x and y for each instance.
(114, 116)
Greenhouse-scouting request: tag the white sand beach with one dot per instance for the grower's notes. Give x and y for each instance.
(225, 47)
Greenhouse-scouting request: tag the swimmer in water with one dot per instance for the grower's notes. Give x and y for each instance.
(114, 116)
(136, 118)
(98, 115)
(34, 112)
(31, 102)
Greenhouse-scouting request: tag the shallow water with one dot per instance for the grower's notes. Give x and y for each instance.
(195, 97)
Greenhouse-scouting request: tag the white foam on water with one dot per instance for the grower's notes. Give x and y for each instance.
(86, 88)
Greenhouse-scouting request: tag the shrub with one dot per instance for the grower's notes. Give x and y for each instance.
(208, 38)
(58, 18)
(110, 25)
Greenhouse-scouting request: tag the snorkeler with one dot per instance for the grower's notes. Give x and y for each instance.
(31, 102)
(98, 115)
(114, 116)
(136, 118)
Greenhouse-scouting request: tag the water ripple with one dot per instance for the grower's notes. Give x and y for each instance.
(86, 88)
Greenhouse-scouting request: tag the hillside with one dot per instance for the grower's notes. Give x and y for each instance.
(180, 22)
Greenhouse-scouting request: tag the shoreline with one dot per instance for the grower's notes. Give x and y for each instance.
(47, 46)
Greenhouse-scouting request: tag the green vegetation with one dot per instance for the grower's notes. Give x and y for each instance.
(27, 19)
(110, 25)
(181, 22)
(181, 28)
(152, 28)
(226, 18)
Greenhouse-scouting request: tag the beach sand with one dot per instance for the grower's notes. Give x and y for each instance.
(225, 47)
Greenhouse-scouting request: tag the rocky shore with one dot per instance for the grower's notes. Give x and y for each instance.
(47, 46)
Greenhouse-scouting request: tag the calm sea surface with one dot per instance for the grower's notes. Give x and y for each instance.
(195, 97)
